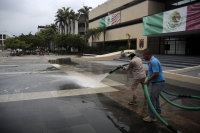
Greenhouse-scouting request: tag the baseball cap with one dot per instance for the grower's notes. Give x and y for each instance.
(130, 52)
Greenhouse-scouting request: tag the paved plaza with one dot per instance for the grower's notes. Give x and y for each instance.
(40, 94)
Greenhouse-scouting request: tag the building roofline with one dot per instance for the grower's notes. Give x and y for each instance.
(5, 32)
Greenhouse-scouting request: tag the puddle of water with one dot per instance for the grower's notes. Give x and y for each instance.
(62, 61)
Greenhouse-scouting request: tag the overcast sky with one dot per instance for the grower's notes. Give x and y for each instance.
(24, 16)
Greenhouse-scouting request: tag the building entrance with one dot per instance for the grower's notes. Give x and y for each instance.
(175, 45)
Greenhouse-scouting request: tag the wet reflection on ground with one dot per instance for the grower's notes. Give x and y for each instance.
(69, 86)
(62, 61)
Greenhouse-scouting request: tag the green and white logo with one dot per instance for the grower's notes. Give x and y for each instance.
(108, 20)
(174, 20)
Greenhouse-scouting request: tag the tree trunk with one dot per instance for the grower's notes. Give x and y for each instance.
(128, 44)
(70, 27)
(49, 47)
(74, 26)
(92, 40)
(104, 36)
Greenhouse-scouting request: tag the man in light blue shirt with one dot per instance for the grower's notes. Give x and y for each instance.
(156, 78)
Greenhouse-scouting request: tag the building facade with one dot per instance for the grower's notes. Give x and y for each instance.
(130, 17)
(81, 24)
(3, 36)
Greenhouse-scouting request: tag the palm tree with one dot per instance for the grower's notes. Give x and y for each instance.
(90, 33)
(54, 27)
(103, 30)
(85, 10)
(97, 32)
(60, 20)
(129, 41)
(71, 19)
(66, 16)
(74, 19)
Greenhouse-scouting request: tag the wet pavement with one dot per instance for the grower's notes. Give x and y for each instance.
(39, 96)
(192, 73)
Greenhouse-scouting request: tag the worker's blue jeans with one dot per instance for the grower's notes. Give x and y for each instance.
(155, 90)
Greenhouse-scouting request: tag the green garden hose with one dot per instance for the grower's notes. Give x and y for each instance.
(179, 106)
(116, 69)
(154, 111)
(177, 95)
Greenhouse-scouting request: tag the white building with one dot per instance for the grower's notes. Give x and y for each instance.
(3, 36)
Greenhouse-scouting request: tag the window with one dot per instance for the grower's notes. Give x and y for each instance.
(81, 33)
(183, 2)
(0, 36)
(172, 4)
(81, 25)
(4, 36)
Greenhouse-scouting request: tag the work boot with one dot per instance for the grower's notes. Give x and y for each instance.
(132, 103)
(149, 119)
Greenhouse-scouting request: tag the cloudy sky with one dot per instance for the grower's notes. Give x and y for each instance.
(24, 16)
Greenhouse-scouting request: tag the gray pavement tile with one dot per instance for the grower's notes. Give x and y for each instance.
(32, 104)
(55, 124)
(2, 110)
(12, 105)
(30, 119)
(84, 104)
(74, 121)
(85, 128)
(47, 101)
(70, 112)
(93, 114)
(50, 109)
(37, 127)
(32, 111)
(13, 112)
(60, 130)
(8, 120)
(80, 99)
(105, 126)
(52, 116)
(12, 129)
(65, 107)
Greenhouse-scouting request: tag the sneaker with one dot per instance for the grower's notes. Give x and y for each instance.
(149, 119)
(132, 103)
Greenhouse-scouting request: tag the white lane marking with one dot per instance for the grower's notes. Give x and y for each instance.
(52, 94)
(9, 65)
(13, 73)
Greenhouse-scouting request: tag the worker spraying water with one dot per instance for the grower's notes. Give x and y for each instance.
(139, 75)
